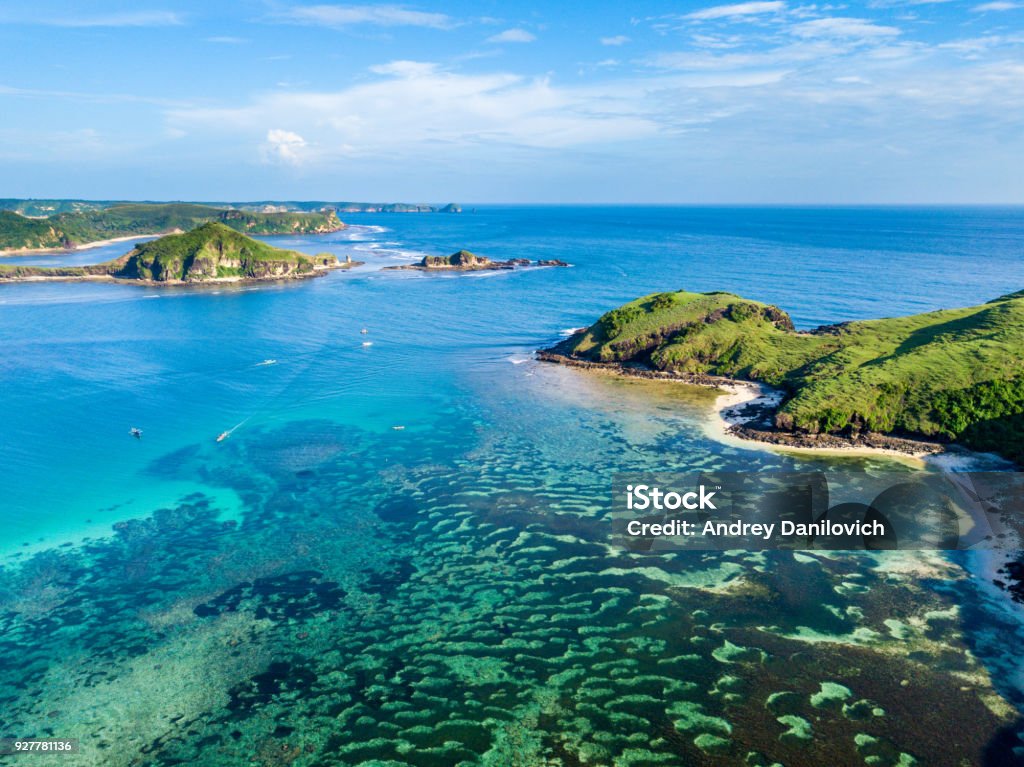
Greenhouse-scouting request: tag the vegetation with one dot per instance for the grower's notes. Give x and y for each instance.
(82, 226)
(209, 252)
(461, 259)
(950, 374)
(43, 208)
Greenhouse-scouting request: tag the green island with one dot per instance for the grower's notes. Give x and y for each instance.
(212, 252)
(954, 375)
(74, 227)
(50, 224)
(464, 261)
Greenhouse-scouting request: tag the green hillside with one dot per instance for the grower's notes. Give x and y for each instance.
(80, 227)
(211, 251)
(38, 208)
(951, 374)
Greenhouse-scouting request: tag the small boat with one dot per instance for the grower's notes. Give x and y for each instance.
(137, 433)
(364, 331)
(266, 362)
(223, 436)
(398, 428)
(367, 343)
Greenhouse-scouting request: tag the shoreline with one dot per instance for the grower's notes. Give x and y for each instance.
(727, 424)
(318, 271)
(57, 252)
(514, 264)
(741, 417)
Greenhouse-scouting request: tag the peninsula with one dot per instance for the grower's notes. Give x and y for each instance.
(79, 227)
(464, 261)
(212, 252)
(955, 375)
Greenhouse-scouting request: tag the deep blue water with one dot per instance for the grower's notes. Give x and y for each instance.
(436, 584)
(84, 363)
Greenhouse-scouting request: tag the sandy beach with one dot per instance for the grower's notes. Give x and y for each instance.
(84, 246)
(728, 412)
(743, 403)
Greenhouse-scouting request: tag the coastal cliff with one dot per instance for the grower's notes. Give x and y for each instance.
(949, 375)
(212, 252)
(464, 261)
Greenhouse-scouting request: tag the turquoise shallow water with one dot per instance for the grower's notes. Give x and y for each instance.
(323, 589)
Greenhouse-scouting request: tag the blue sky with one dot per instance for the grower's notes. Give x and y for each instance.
(773, 101)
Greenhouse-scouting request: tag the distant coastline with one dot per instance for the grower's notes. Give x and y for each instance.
(21, 232)
(83, 246)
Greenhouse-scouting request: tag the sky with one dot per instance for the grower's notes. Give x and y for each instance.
(768, 101)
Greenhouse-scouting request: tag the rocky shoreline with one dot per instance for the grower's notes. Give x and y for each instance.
(464, 261)
(753, 418)
(211, 253)
(319, 270)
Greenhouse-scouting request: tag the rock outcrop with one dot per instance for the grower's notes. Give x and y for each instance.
(465, 261)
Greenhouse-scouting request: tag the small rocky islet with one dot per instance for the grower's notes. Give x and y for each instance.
(465, 261)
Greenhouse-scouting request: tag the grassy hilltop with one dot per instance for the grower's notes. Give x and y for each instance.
(955, 374)
(81, 226)
(212, 251)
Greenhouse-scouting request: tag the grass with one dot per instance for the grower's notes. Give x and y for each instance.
(210, 251)
(81, 226)
(951, 374)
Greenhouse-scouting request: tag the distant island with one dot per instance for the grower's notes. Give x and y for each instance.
(28, 225)
(949, 375)
(212, 252)
(85, 227)
(464, 261)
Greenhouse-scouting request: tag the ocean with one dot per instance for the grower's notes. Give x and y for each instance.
(323, 588)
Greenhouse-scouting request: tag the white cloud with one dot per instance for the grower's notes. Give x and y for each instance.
(512, 36)
(418, 108)
(225, 40)
(616, 40)
(738, 9)
(902, 3)
(377, 15)
(773, 58)
(126, 19)
(978, 47)
(284, 146)
(840, 90)
(717, 41)
(405, 68)
(843, 27)
(998, 5)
